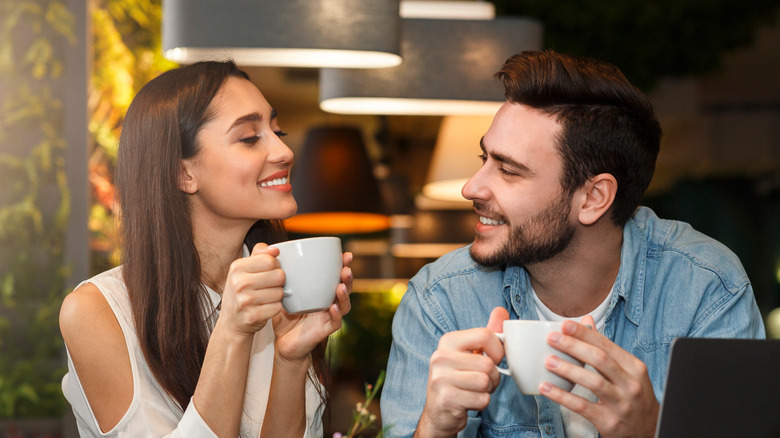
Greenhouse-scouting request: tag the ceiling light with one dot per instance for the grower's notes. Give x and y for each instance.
(334, 185)
(448, 69)
(294, 33)
(455, 156)
(452, 10)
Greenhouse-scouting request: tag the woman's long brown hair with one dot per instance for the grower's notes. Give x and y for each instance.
(161, 267)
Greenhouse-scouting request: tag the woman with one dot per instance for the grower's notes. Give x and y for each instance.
(188, 337)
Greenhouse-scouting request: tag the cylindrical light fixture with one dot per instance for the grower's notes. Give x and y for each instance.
(448, 10)
(455, 156)
(334, 185)
(448, 69)
(295, 33)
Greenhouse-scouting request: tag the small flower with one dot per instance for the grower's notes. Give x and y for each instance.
(362, 418)
(338, 435)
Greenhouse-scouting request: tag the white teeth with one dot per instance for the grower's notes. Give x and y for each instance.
(488, 221)
(275, 182)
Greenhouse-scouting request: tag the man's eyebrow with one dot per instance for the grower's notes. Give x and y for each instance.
(249, 118)
(506, 159)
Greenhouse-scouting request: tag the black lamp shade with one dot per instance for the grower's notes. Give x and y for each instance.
(334, 185)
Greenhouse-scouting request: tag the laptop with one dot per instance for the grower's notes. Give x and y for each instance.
(721, 388)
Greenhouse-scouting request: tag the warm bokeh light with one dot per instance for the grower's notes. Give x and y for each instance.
(408, 106)
(337, 223)
(287, 57)
(773, 324)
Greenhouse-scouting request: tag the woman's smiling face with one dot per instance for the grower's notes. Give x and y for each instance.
(241, 171)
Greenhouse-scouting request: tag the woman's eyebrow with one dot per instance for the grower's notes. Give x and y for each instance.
(249, 118)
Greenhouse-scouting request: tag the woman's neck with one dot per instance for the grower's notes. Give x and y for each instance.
(217, 249)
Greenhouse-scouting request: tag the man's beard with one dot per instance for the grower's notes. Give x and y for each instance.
(536, 240)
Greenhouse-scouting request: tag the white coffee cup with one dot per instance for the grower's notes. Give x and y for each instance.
(312, 268)
(526, 348)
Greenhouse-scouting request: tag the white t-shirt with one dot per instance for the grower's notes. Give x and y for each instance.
(574, 425)
(152, 413)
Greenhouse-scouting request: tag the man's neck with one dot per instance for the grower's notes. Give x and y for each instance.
(576, 281)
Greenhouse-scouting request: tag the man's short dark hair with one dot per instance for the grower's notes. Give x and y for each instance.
(608, 125)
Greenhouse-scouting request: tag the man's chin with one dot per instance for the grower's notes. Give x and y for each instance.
(483, 255)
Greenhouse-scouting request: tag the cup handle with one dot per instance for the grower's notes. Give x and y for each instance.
(503, 371)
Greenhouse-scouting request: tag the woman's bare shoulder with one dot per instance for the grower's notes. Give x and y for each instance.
(97, 347)
(85, 316)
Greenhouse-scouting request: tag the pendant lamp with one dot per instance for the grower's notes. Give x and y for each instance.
(453, 10)
(294, 33)
(448, 68)
(334, 185)
(455, 156)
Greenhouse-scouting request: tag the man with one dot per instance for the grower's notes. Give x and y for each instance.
(561, 237)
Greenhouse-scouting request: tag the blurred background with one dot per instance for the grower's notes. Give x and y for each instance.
(69, 69)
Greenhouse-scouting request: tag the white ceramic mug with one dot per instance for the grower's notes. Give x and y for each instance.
(526, 348)
(312, 268)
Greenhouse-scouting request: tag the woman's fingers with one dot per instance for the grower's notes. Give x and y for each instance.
(253, 290)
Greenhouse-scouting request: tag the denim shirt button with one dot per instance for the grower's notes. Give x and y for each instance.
(517, 297)
(548, 430)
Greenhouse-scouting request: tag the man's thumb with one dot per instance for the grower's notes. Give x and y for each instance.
(497, 318)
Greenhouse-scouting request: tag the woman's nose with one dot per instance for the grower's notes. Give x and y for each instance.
(281, 153)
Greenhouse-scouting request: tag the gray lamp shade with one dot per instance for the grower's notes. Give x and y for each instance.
(334, 185)
(297, 33)
(448, 68)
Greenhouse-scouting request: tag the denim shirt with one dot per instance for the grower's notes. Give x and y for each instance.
(673, 282)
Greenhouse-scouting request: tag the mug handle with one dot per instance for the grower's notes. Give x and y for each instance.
(503, 371)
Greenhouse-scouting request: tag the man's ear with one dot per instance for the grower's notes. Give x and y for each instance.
(596, 197)
(187, 182)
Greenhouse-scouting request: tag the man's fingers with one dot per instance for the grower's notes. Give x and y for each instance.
(475, 381)
(471, 340)
(586, 377)
(588, 322)
(456, 389)
(497, 318)
(586, 344)
(574, 402)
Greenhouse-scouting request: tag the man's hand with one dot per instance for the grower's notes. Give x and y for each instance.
(626, 403)
(461, 378)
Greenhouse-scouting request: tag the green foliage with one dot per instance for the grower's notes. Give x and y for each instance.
(647, 40)
(127, 54)
(360, 349)
(34, 206)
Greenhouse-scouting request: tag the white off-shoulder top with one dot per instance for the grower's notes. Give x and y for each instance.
(152, 413)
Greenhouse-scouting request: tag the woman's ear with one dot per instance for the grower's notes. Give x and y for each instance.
(187, 183)
(597, 196)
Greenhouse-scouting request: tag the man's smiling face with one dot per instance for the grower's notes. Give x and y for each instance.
(523, 213)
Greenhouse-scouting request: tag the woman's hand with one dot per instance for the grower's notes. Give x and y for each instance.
(253, 291)
(297, 335)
